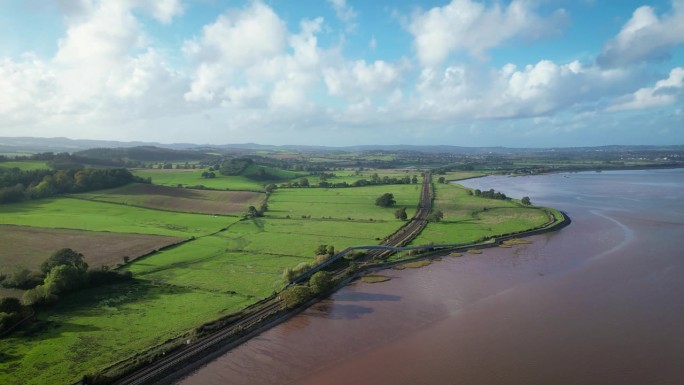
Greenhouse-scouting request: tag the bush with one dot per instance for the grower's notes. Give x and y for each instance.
(38, 296)
(321, 282)
(22, 278)
(295, 295)
(10, 305)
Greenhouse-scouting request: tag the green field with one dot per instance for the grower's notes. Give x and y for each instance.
(246, 181)
(81, 214)
(178, 199)
(25, 165)
(469, 218)
(357, 203)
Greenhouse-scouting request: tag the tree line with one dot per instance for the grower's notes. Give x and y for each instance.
(17, 185)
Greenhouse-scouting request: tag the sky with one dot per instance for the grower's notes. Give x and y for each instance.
(521, 73)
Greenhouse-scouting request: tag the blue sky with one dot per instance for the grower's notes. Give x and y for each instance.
(522, 73)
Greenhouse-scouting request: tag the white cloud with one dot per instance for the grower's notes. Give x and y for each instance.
(345, 12)
(645, 37)
(357, 79)
(103, 70)
(466, 25)
(235, 41)
(665, 92)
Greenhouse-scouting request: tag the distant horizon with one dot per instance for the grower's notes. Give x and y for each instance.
(470, 73)
(143, 142)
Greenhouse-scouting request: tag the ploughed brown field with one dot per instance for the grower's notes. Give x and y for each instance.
(30, 246)
(179, 199)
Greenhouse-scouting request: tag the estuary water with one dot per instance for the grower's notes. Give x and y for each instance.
(599, 302)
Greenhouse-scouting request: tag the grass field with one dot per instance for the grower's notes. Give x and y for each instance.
(357, 203)
(19, 246)
(247, 181)
(26, 165)
(468, 218)
(179, 199)
(98, 216)
(100, 326)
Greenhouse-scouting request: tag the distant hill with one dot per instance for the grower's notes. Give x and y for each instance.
(142, 153)
(26, 144)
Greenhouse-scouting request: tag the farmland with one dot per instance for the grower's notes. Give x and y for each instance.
(178, 199)
(100, 248)
(342, 203)
(25, 165)
(218, 273)
(248, 180)
(79, 214)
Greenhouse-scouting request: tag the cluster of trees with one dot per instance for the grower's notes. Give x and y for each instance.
(253, 212)
(209, 175)
(322, 253)
(401, 214)
(235, 166)
(319, 284)
(489, 194)
(385, 200)
(17, 185)
(63, 272)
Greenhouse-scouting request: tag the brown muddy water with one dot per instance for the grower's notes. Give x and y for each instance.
(599, 302)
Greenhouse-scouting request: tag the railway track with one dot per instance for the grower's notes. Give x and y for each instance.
(201, 347)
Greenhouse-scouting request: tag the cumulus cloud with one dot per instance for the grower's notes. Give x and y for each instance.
(235, 41)
(664, 93)
(645, 37)
(103, 69)
(356, 80)
(466, 25)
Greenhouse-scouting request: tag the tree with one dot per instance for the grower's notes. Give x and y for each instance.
(330, 250)
(414, 180)
(295, 295)
(321, 250)
(252, 212)
(441, 180)
(64, 256)
(64, 279)
(304, 182)
(526, 201)
(436, 216)
(321, 282)
(401, 214)
(385, 200)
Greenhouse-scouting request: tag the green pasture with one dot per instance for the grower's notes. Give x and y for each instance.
(357, 203)
(469, 218)
(92, 329)
(26, 165)
(81, 214)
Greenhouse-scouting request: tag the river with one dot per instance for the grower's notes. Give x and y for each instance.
(599, 302)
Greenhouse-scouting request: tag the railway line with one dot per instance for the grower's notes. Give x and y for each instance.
(269, 310)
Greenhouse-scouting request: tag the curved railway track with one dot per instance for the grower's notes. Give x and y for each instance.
(265, 311)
